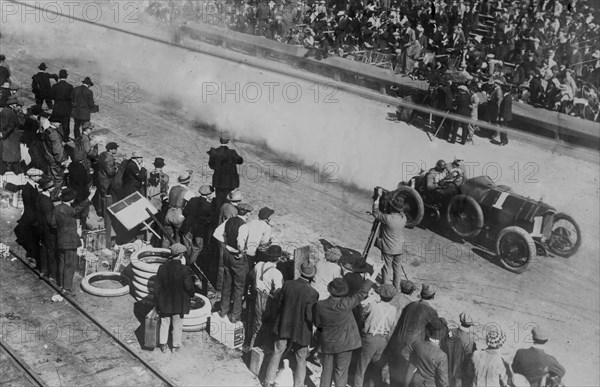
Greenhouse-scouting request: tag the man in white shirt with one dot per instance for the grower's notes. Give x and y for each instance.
(259, 235)
(177, 198)
(267, 281)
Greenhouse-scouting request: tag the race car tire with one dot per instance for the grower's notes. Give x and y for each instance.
(88, 287)
(559, 242)
(149, 260)
(464, 216)
(142, 288)
(515, 248)
(414, 209)
(200, 307)
(144, 281)
(142, 274)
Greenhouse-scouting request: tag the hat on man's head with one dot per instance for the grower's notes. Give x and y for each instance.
(34, 172)
(358, 266)
(436, 329)
(87, 125)
(235, 196)
(274, 252)
(205, 190)
(159, 162)
(136, 155)
(46, 183)
(539, 336)
(465, 319)
(387, 292)
(495, 338)
(87, 81)
(12, 100)
(244, 208)
(224, 139)
(63, 73)
(407, 287)
(177, 248)
(184, 178)
(112, 145)
(42, 66)
(308, 270)
(265, 213)
(338, 287)
(428, 291)
(68, 194)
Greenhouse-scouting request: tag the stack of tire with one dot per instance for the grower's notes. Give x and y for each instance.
(145, 264)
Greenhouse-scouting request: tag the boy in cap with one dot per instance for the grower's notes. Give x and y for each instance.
(178, 196)
(62, 92)
(378, 327)
(233, 233)
(487, 365)
(294, 324)
(198, 214)
(534, 363)
(64, 220)
(41, 88)
(459, 347)
(174, 289)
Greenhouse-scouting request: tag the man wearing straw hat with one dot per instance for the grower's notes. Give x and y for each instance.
(487, 365)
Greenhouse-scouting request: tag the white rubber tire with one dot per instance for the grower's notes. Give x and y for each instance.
(86, 284)
(203, 312)
(142, 274)
(142, 288)
(158, 255)
(195, 328)
(144, 281)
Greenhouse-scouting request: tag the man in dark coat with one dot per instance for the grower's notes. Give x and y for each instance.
(54, 152)
(339, 332)
(224, 162)
(4, 70)
(430, 361)
(10, 135)
(27, 231)
(534, 363)
(84, 152)
(443, 101)
(134, 177)
(294, 323)
(45, 211)
(463, 108)
(64, 220)
(107, 168)
(197, 214)
(41, 87)
(62, 92)
(459, 345)
(83, 104)
(505, 113)
(80, 181)
(174, 290)
(410, 328)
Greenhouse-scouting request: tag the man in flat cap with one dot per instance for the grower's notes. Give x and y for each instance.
(259, 235)
(173, 291)
(535, 364)
(44, 212)
(64, 220)
(233, 233)
(62, 92)
(198, 214)
(134, 176)
(41, 87)
(178, 196)
(224, 162)
(83, 104)
(107, 168)
(27, 232)
(84, 152)
(54, 152)
(459, 346)
(10, 136)
(425, 355)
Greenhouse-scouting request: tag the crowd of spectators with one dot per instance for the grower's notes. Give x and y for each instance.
(548, 50)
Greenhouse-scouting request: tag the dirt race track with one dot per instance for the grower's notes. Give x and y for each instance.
(315, 162)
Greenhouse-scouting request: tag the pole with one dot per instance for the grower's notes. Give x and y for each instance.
(374, 229)
(162, 228)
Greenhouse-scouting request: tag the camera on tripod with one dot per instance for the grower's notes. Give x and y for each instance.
(390, 201)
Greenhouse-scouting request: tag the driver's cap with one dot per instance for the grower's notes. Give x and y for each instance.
(458, 157)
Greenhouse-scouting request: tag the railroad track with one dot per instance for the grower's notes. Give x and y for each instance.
(14, 371)
(41, 342)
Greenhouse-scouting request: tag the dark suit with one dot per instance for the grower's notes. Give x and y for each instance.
(48, 254)
(10, 150)
(505, 114)
(459, 347)
(340, 335)
(410, 328)
(41, 88)
(534, 364)
(225, 179)
(197, 214)
(29, 235)
(294, 325)
(174, 288)
(463, 108)
(431, 364)
(83, 105)
(62, 92)
(134, 179)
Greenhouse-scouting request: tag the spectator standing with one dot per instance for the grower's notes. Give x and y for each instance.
(27, 232)
(174, 291)
(494, 101)
(402, 299)
(10, 135)
(179, 195)
(134, 176)
(54, 153)
(294, 324)
(463, 108)
(198, 214)
(327, 270)
(83, 104)
(84, 152)
(391, 239)
(505, 114)
(4, 70)
(534, 363)
(64, 220)
(459, 347)
(41, 87)
(45, 210)
(158, 184)
(226, 210)
(62, 92)
(107, 168)
(224, 162)
(487, 365)
(4, 94)
(259, 235)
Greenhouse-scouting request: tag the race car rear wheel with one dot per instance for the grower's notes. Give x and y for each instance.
(565, 237)
(515, 248)
(464, 216)
(414, 209)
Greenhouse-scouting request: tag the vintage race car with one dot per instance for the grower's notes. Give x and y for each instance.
(519, 228)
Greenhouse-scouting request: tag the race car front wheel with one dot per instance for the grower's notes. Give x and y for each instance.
(565, 237)
(515, 248)
(414, 209)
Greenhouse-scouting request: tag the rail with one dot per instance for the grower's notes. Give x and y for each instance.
(15, 359)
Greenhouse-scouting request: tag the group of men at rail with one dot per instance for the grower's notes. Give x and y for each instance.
(334, 314)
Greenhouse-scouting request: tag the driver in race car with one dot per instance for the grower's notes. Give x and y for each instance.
(457, 172)
(438, 187)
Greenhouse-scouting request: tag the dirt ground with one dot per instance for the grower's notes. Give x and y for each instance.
(353, 147)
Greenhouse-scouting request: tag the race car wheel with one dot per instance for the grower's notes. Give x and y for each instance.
(565, 237)
(515, 248)
(88, 287)
(464, 216)
(414, 209)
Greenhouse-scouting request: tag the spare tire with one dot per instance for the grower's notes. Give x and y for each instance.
(200, 307)
(414, 208)
(464, 216)
(87, 284)
(149, 260)
(137, 273)
(144, 281)
(142, 288)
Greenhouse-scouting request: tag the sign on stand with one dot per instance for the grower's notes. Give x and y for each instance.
(133, 211)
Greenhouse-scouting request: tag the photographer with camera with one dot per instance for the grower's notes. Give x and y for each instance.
(391, 237)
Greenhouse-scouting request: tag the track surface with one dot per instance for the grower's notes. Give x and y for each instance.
(13, 371)
(560, 295)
